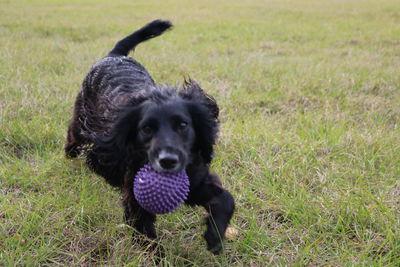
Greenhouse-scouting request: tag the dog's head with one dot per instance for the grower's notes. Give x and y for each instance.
(167, 128)
(166, 132)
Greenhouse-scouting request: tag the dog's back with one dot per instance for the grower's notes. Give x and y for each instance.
(111, 83)
(117, 74)
(116, 80)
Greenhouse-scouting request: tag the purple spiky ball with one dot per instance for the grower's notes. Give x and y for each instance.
(159, 192)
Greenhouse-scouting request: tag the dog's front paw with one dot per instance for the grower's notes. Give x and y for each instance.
(214, 241)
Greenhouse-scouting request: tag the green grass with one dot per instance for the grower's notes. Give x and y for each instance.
(309, 92)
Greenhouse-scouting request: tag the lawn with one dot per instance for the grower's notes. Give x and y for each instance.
(309, 92)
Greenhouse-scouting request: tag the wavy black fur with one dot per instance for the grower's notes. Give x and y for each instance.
(123, 119)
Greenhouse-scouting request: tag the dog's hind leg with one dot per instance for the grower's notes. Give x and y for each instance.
(73, 143)
(74, 137)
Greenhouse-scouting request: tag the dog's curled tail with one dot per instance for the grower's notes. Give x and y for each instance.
(151, 30)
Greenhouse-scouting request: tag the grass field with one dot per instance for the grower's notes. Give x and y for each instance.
(309, 92)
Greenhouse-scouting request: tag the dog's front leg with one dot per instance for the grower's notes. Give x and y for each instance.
(220, 209)
(220, 206)
(137, 217)
(143, 222)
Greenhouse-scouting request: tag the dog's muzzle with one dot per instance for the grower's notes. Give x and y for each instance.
(168, 161)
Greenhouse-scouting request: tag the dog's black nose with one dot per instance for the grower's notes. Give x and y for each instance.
(168, 161)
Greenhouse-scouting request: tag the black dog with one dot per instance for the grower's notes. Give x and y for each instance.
(123, 119)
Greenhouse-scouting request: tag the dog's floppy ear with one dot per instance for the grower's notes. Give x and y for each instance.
(204, 112)
(192, 91)
(108, 155)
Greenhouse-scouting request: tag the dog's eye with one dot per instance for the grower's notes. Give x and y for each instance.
(182, 126)
(147, 130)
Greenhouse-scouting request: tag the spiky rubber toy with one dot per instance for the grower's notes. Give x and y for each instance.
(159, 192)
